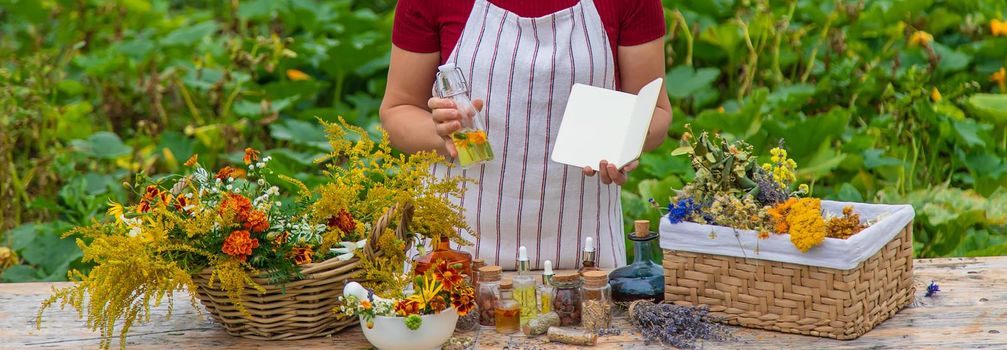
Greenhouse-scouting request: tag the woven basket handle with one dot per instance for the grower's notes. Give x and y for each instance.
(370, 248)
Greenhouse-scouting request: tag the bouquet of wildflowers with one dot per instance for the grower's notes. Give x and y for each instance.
(436, 290)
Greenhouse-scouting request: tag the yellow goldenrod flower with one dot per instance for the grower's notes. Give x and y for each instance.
(920, 38)
(1000, 77)
(294, 74)
(998, 27)
(935, 95)
(807, 227)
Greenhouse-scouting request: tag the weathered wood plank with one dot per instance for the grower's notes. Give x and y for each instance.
(969, 312)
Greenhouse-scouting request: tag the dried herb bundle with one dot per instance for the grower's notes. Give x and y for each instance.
(674, 325)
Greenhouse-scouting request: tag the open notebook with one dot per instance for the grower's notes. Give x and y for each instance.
(602, 124)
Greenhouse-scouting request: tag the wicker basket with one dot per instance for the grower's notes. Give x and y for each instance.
(298, 309)
(794, 298)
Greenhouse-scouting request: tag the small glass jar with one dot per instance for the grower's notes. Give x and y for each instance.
(596, 301)
(507, 314)
(567, 303)
(488, 294)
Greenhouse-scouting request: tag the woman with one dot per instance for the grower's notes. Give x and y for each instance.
(521, 57)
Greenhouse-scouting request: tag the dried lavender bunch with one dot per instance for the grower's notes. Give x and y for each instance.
(674, 325)
(770, 192)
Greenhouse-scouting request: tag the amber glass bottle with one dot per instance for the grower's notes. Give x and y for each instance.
(442, 251)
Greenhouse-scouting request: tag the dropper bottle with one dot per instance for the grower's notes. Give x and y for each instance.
(588, 255)
(524, 288)
(546, 291)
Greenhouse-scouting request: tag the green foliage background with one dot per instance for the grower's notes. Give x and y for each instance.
(93, 91)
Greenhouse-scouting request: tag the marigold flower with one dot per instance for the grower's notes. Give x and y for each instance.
(998, 27)
(239, 244)
(463, 300)
(180, 203)
(438, 304)
(294, 74)
(251, 155)
(343, 221)
(192, 160)
(407, 307)
(228, 171)
(237, 205)
(8, 258)
(366, 304)
(302, 255)
(256, 221)
(448, 275)
(279, 238)
(920, 38)
(476, 137)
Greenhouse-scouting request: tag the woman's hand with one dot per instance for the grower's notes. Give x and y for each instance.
(611, 174)
(448, 119)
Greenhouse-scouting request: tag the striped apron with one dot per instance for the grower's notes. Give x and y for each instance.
(523, 68)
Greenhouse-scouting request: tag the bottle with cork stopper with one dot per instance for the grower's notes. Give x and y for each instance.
(507, 312)
(643, 279)
(443, 251)
(587, 262)
(596, 301)
(488, 294)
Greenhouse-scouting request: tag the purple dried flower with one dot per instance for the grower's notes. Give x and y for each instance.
(932, 289)
(678, 212)
(674, 325)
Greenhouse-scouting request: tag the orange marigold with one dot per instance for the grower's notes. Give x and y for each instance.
(302, 255)
(448, 274)
(438, 304)
(343, 221)
(228, 171)
(406, 307)
(237, 205)
(779, 213)
(463, 299)
(251, 155)
(477, 137)
(256, 221)
(192, 160)
(294, 74)
(281, 238)
(239, 244)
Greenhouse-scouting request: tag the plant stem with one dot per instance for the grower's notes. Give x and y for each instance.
(818, 43)
(188, 101)
(777, 73)
(687, 33)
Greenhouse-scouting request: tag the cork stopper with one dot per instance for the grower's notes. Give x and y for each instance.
(642, 228)
(595, 279)
(565, 278)
(506, 285)
(490, 273)
(478, 263)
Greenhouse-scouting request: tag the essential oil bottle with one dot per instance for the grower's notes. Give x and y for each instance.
(471, 140)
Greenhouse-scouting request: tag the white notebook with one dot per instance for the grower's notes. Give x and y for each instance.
(602, 124)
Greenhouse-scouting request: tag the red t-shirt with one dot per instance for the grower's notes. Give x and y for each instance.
(427, 26)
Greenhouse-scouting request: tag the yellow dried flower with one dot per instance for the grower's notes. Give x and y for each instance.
(807, 227)
(935, 95)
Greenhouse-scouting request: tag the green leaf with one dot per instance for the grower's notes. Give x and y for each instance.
(20, 273)
(681, 151)
(992, 107)
(968, 132)
(997, 250)
(848, 193)
(300, 132)
(682, 81)
(875, 158)
(22, 236)
(103, 145)
(189, 34)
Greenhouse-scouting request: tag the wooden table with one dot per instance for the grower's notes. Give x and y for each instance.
(970, 311)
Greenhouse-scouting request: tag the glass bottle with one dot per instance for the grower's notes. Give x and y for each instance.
(443, 251)
(587, 257)
(546, 292)
(507, 312)
(643, 279)
(470, 141)
(596, 301)
(476, 265)
(524, 288)
(567, 301)
(470, 321)
(488, 294)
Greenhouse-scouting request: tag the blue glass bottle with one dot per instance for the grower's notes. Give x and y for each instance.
(643, 279)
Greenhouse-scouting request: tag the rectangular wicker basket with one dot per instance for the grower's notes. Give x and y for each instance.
(793, 297)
